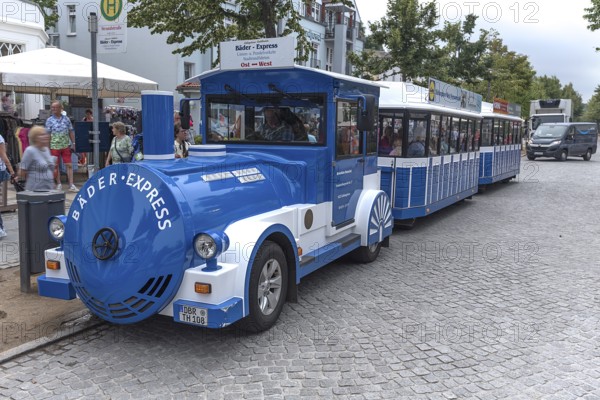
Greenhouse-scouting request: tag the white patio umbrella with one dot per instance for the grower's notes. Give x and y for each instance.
(53, 72)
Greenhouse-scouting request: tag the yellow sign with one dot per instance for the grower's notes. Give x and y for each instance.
(111, 9)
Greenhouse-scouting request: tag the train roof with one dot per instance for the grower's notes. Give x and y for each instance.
(403, 95)
(335, 75)
(487, 111)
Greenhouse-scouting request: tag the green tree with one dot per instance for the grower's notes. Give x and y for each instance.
(593, 17)
(407, 33)
(592, 111)
(460, 59)
(546, 87)
(569, 92)
(203, 24)
(47, 8)
(509, 75)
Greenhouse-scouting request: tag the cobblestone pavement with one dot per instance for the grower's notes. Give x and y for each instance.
(492, 298)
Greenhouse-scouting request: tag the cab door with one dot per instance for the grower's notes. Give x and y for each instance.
(349, 163)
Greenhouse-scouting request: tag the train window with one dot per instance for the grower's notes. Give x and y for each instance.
(445, 135)
(516, 132)
(347, 137)
(476, 135)
(417, 131)
(462, 138)
(507, 133)
(386, 134)
(434, 135)
(266, 119)
(454, 132)
(469, 146)
(497, 132)
(486, 132)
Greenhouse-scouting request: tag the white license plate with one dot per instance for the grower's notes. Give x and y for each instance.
(193, 315)
(538, 153)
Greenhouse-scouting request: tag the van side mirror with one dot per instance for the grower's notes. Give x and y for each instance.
(366, 113)
(185, 113)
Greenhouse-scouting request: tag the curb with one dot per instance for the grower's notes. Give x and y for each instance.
(74, 323)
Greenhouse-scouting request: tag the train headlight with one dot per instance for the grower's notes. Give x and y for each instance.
(210, 245)
(56, 227)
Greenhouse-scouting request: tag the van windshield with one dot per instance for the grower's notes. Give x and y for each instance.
(550, 131)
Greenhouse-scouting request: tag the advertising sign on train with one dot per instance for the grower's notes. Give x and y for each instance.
(447, 95)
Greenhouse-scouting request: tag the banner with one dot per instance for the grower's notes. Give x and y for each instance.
(112, 27)
(258, 54)
(447, 95)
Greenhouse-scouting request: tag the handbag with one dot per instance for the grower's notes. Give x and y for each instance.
(17, 185)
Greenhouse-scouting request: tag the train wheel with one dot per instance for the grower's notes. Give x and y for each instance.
(588, 155)
(367, 254)
(380, 226)
(268, 288)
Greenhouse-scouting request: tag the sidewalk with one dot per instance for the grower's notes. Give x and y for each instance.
(26, 319)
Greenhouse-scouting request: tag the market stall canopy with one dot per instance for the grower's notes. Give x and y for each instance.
(54, 72)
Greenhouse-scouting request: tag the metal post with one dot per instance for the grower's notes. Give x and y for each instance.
(93, 28)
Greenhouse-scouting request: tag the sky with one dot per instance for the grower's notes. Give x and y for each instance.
(552, 33)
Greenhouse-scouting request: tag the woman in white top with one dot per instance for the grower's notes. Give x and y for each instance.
(37, 164)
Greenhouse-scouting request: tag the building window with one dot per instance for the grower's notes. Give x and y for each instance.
(54, 39)
(7, 49)
(312, 57)
(72, 19)
(188, 70)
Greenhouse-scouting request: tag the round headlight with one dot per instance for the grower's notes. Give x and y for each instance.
(205, 246)
(57, 228)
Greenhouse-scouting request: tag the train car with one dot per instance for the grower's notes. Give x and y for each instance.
(285, 182)
(428, 147)
(500, 147)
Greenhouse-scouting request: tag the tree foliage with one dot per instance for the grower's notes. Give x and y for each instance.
(199, 25)
(461, 60)
(407, 33)
(593, 17)
(592, 111)
(50, 17)
(569, 92)
(546, 87)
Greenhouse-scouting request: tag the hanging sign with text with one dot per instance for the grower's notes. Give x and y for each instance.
(258, 54)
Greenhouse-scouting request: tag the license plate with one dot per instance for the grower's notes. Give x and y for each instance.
(538, 153)
(193, 315)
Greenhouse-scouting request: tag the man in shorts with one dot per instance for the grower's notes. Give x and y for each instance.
(62, 141)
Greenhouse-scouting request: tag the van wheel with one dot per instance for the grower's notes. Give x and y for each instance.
(268, 288)
(530, 158)
(588, 155)
(563, 156)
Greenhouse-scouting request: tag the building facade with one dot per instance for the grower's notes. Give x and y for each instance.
(22, 29)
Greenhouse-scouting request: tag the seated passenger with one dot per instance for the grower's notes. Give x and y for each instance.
(397, 150)
(274, 129)
(416, 148)
(385, 145)
(295, 124)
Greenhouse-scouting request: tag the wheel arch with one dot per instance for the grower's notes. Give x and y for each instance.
(283, 237)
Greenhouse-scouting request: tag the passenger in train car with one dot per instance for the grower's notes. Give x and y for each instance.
(385, 142)
(433, 141)
(295, 124)
(416, 148)
(344, 138)
(273, 128)
(397, 147)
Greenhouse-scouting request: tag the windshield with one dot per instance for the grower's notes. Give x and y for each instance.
(549, 132)
(296, 119)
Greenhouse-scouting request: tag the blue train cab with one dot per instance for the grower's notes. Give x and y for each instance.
(428, 147)
(500, 147)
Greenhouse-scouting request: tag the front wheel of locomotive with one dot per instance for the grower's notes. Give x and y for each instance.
(268, 288)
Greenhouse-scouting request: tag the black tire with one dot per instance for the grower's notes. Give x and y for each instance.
(262, 317)
(563, 156)
(588, 155)
(530, 158)
(366, 254)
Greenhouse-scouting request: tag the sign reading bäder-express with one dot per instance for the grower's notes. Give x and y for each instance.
(258, 54)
